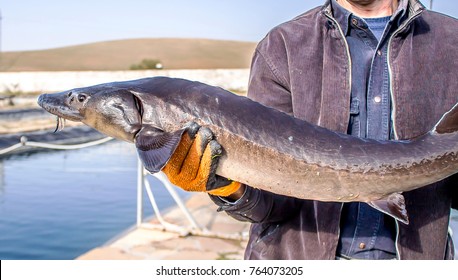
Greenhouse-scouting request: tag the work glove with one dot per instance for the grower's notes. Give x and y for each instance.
(193, 164)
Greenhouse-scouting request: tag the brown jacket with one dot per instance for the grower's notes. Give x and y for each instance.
(302, 67)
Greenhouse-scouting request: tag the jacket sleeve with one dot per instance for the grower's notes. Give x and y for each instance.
(259, 206)
(268, 87)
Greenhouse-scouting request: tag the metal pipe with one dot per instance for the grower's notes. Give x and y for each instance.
(25, 142)
(165, 225)
(177, 199)
(152, 200)
(139, 192)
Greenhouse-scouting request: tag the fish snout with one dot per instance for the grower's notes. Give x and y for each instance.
(46, 102)
(42, 99)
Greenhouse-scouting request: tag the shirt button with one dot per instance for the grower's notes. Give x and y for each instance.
(377, 99)
(379, 52)
(354, 21)
(362, 245)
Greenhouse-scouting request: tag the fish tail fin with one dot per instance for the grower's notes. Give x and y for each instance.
(448, 123)
(394, 205)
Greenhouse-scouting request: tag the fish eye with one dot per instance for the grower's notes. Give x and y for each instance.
(81, 97)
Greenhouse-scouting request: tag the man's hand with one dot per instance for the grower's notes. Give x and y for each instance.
(193, 165)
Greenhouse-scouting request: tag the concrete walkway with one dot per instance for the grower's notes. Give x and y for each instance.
(148, 243)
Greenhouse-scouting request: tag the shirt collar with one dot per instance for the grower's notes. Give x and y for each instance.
(343, 16)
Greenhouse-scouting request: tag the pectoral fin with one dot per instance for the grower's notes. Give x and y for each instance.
(394, 205)
(155, 147)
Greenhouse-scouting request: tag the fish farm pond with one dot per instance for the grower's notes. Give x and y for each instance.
(60, 204)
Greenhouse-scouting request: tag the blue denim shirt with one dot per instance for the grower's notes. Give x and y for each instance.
(365, 232)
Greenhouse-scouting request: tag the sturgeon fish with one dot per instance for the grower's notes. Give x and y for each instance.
(263, 147)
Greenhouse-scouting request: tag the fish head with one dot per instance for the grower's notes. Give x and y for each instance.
(116, 112)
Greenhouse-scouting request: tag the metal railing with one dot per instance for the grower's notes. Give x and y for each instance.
(192, 229)
(142, 183)
(25, 143)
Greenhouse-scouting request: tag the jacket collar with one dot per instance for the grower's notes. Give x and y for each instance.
(407, 9)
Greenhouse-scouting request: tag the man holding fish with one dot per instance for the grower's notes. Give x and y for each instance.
(378, 69)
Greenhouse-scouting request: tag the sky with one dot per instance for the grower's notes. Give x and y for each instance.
(43, 24)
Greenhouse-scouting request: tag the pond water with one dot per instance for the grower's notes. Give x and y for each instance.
(61, 204)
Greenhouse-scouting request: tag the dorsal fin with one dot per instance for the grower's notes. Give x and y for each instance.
(448, 123)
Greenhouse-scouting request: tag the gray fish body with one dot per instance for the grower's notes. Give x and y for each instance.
(265, 148)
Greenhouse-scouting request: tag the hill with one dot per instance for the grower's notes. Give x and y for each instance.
(121, 54)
